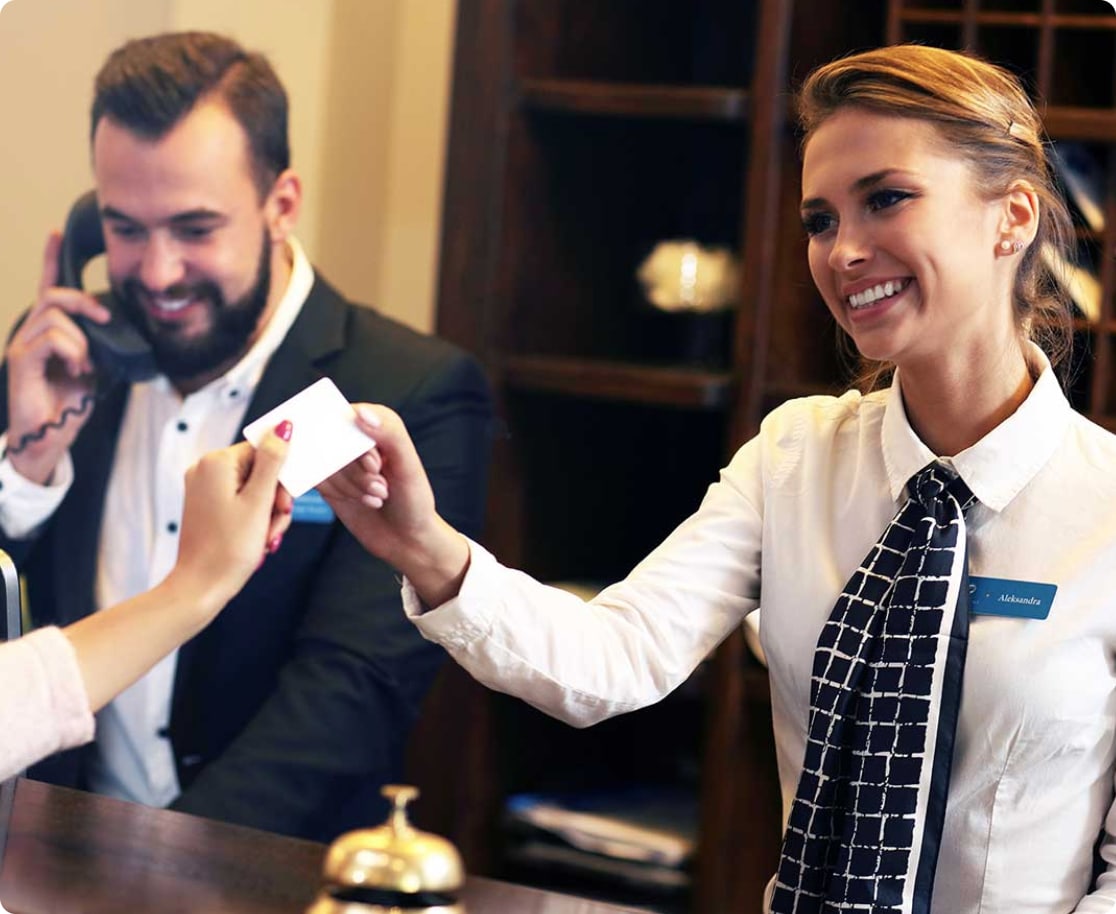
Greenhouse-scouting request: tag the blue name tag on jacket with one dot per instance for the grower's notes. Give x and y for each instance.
(311, 508)
(1018, 599)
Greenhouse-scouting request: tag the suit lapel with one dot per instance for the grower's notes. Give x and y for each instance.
(317, 333)
(77, 533)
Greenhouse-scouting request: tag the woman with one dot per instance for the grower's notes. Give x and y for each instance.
(945, 745)
(54, 679)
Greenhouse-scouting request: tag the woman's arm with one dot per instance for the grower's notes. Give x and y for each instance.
(53, 679)
(234, 514)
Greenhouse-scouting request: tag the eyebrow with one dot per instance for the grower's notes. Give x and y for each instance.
(859, 185)
(201, 214)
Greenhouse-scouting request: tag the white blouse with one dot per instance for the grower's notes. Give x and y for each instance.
(45, 707)
(791, 517)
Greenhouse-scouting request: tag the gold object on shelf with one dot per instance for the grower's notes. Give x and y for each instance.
(391, 869)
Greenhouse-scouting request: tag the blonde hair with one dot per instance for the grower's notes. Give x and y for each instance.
(983, 115)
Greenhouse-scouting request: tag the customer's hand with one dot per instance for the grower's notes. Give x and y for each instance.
(235, 514)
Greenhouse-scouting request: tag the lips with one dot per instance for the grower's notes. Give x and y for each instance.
(866, 297)
(174, 304)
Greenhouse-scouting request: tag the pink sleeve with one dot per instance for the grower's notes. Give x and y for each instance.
(43, 703)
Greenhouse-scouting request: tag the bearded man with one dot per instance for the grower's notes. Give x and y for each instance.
(292, 709)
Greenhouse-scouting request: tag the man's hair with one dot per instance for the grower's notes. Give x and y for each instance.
(150, 84)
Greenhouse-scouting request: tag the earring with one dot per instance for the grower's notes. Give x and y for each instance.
(1011, 247)
(1017, 246)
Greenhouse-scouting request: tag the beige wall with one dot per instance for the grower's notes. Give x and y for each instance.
(368, 81)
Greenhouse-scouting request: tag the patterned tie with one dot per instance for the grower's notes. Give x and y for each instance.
(866, 822)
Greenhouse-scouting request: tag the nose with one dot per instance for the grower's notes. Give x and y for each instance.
(851, 247)
(161, 265)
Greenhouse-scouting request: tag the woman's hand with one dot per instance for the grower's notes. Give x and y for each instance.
(235, 513)
(385, 500)
(235, 509)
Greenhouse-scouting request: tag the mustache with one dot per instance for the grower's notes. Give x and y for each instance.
(205, 289)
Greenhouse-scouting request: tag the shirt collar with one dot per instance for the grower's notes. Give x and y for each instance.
(240, 381)
(998, 466)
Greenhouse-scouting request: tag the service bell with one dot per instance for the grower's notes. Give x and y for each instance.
(392, 869)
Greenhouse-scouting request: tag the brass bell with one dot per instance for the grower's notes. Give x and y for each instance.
(391, 869)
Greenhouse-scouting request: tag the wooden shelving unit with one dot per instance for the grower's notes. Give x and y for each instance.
(582, 133)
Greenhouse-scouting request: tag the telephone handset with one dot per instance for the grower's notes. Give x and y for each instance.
(117, 348)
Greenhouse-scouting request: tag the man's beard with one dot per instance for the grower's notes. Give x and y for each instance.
(228, 338)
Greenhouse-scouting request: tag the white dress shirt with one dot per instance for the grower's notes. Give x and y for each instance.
(161, 436)
(797, 509)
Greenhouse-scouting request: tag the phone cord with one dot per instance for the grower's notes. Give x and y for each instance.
(38, 434)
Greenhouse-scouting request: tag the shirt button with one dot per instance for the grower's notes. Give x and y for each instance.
(182, 426)
(172, 527)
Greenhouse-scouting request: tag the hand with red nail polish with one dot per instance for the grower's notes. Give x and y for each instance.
(234, 516)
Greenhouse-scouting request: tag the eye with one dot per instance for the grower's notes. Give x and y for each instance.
(817, 223)
(885, 198)
(194, 232)
(125, 231)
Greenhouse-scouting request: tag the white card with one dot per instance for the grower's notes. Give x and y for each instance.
(325, 436)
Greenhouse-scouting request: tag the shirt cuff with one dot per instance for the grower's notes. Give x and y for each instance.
(26, 505)
(465, 618)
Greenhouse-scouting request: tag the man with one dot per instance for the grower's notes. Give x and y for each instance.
(291, 710)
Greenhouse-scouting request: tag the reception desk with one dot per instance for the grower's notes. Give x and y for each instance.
(70, 852)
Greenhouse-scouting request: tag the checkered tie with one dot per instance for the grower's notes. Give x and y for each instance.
(866, 822)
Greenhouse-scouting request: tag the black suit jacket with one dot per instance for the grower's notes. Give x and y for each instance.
(293, 706)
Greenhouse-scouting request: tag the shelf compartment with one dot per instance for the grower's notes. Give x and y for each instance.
(623, 381)
(646, 41)
(1009, 19)
(592, 97)
(1075, 123)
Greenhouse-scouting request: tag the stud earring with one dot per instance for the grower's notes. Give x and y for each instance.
(1017, 246)
(1011, 247)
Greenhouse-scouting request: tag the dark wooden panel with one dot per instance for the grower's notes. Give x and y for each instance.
(620, 381)
(634, 100)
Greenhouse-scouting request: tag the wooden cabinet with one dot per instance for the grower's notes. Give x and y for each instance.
(1065, 51)
(582, 133)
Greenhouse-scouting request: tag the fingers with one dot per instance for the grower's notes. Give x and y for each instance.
(280, 523)
(53, 335)
(368, 418)
(49, 277)
(72, 301)
(268, 461)
(346, 483)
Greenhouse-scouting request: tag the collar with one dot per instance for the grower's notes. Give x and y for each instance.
(241, 380)
(1001, 463)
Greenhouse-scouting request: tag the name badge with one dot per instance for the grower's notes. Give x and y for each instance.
(311, 508)
(1017, 599)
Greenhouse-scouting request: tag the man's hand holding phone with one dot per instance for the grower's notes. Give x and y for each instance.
(50, 373)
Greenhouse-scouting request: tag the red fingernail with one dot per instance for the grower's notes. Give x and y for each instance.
(274, 543)
(283, 429)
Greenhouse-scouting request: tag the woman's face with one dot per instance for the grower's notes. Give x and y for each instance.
(902, 249)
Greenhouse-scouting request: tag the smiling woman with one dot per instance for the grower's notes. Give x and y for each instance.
(942, 692)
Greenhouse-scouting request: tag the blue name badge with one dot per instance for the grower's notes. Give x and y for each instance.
(311, 508)
(1018, 599)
